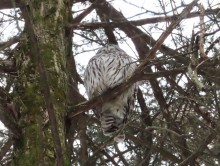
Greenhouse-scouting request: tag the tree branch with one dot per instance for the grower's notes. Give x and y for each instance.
(140, 22)
(140, 39)
(4, 45)
(121, 157)
(86, 105)
(200, 149)
(164, 35)
(7, 66)
(82, 15)
(164, 153)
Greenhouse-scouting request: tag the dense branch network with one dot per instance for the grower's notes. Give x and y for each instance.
(165, 126)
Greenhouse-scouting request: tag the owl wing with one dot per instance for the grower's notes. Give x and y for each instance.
(106, 70)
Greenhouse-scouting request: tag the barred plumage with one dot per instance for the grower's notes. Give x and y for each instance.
(108, 68)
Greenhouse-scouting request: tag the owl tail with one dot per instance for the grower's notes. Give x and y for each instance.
(110, 123)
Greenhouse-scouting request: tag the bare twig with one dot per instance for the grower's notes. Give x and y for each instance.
(164, 129)
(164, 35)
(200, 149)
(120, 155)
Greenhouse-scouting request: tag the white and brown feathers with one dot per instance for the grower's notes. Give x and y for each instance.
(108, 68)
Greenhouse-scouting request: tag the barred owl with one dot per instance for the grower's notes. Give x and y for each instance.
(108, 68)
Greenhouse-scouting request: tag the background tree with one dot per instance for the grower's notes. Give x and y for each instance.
(47, 118)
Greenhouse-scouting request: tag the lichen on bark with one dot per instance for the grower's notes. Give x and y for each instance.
(42, 84)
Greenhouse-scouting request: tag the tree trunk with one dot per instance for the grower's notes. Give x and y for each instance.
(42, 84)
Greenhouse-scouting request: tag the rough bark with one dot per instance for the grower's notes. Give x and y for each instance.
(42, 84)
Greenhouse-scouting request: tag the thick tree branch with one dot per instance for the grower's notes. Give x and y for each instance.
(140, 22)
(108, 30)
